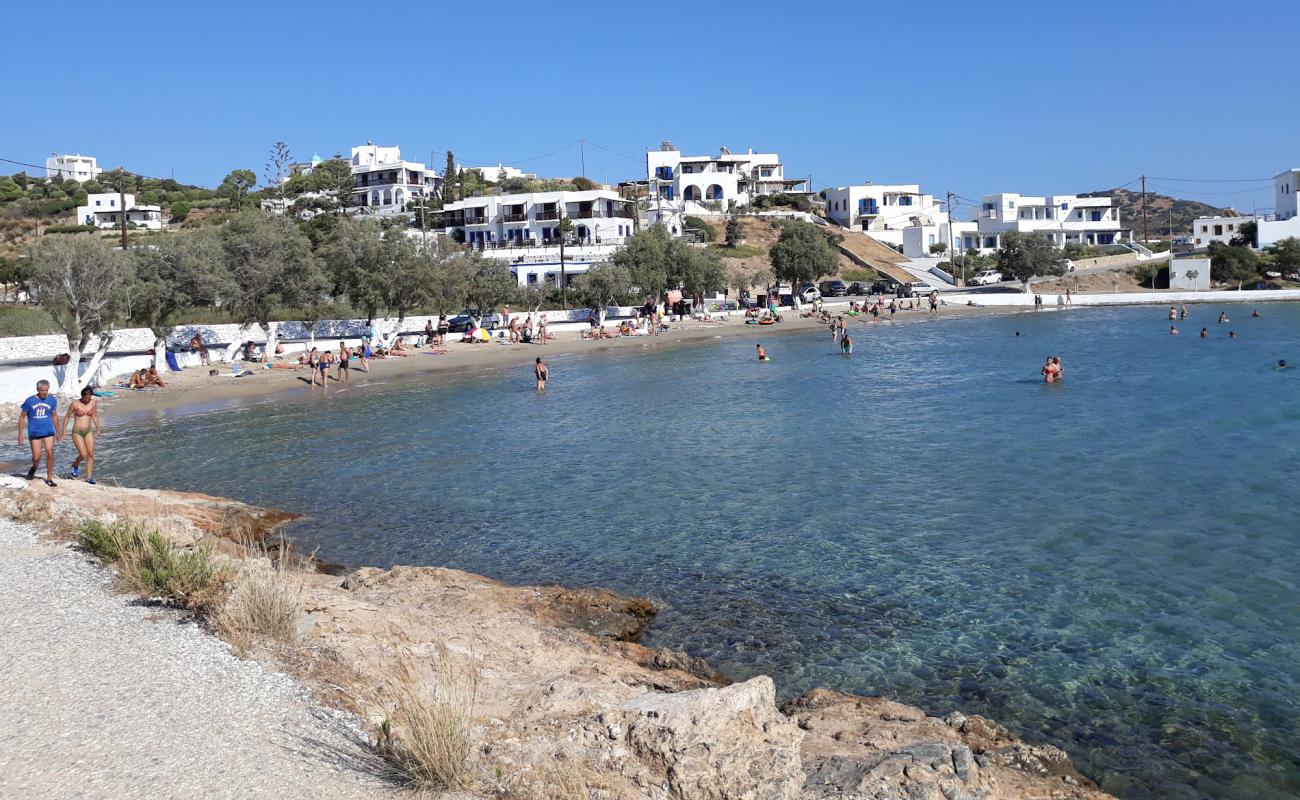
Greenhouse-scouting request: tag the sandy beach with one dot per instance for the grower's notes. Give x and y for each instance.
(195, 389)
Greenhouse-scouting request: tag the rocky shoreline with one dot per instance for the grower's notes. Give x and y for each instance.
(566, 703)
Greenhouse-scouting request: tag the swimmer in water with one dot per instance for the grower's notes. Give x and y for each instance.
(1281, 363)
(762, 354)
(1049, 371)
(1017, 333)
(1255, 313)
(1205, 334)
(846, 344)
(1232, 334)
(1173, 331)
(1223, 317)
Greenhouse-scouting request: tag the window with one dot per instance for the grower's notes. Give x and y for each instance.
(688, 169)
(1232, 227)
(1078, 215)
(1065, 206)
(1096, 216)
(905, 200)
(1204, 229)
(1011, 204)
(98, 202)
(1024, 214)
(1218, 230)
(988, 206)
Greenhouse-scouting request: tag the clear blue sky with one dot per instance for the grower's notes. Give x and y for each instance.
(971, 97)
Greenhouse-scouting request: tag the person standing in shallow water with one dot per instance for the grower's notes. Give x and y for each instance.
(541, 373)
(82, 424)
(762, 354)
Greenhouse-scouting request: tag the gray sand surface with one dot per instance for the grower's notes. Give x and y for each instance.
(107, 698)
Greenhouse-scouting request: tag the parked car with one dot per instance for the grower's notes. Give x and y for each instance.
(462, 321)
(880, 287)
(833, 288)
(1066, 264)
(986, 277)
(915, 289)
(808, 293)
(860, 288)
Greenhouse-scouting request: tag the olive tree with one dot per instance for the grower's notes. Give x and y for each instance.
(83, 283)
(802, 254)
(490, 284)
(645, 257)
(604, 285)
(177, 273)
(271, 266)
(356, 260)
(1023, 256)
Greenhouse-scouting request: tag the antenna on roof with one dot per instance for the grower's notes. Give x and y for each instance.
(725, 151)
(665, 145)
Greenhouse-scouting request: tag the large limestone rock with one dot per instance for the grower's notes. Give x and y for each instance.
(714, 744)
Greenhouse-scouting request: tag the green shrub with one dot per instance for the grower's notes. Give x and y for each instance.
(71, 229)
(706, 231)
(100, 540)
(26, 321)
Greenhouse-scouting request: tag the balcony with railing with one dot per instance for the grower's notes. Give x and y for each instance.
(515, 216)
(476, 218)
(544, 215)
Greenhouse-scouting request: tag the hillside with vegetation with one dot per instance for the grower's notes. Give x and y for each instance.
(1159, 207)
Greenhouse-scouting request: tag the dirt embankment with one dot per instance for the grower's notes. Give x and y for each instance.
(566, 704)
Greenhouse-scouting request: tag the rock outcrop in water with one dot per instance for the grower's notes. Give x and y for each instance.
(568, 706)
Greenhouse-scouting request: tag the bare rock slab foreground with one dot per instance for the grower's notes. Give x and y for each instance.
(564, 703)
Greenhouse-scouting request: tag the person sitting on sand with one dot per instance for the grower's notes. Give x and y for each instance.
(399, 348)
(197, 346)
(152, 378)
(136, 381)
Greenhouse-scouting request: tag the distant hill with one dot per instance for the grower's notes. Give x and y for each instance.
(1158, 207)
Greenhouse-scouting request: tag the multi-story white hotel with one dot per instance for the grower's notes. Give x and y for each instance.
(384, 183)
(690, 182)
(104, 211)
(524, 228)
(1217, 229)
(72, 167)
(883, 210)
(1064, 219)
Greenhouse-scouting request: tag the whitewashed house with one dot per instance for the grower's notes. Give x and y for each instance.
(1064, 219)
(500, 172)
(1284, 223)
(106, 211)
(918, 239)
(383, 182)
(523, 229)
(72, 167)
(1217, 229)
(883, 210)
(710, 184)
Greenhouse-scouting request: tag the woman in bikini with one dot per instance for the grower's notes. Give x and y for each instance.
(82, 424)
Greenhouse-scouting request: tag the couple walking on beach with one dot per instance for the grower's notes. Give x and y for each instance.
(40, 421)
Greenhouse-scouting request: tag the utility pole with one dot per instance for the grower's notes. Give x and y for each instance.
(121, 200)
(952, 246)
(564, 282)
(582, 152)
(1144, 210)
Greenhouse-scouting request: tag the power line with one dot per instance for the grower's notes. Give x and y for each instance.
(102, 172)
(1212, 180)
(615, 152)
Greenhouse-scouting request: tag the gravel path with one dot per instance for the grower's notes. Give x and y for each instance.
(106, 699)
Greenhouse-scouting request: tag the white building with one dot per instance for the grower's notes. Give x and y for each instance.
(688, 182)
(1285, 222)
(1189, 273)
(883, 210)
(72, 168)
(500, 172)
(383, 183)
(522, 228)
(105, 211)
(1064, 219)
(1217, 229)
(918, 239)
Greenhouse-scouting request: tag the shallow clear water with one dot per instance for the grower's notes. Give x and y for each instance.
(1108, 565)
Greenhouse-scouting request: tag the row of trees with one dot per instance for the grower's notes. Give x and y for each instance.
(254, 267)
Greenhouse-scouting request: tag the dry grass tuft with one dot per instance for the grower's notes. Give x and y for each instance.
(427, 734)
(263, 603)
(561, 779)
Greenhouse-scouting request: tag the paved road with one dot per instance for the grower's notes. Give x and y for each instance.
(109, 700)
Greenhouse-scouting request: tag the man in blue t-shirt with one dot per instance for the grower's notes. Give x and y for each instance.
(42, 427)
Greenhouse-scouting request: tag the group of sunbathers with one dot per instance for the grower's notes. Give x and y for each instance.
(145, 378)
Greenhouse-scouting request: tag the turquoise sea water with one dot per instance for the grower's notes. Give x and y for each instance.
(1108, 565)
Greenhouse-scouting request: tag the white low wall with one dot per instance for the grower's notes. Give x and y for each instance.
(1010, 299)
